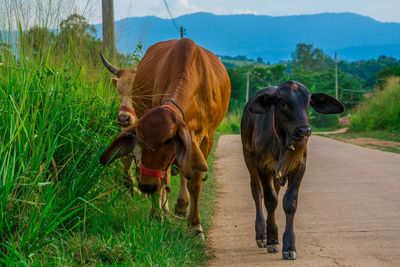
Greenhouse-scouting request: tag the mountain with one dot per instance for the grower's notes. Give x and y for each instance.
(354, 36)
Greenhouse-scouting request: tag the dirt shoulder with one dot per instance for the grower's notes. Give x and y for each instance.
(374, 140)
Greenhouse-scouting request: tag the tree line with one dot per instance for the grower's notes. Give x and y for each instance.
(316, 70)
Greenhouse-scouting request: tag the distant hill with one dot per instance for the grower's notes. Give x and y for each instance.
(272, 38)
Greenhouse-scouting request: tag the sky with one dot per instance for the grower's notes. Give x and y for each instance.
(381, 10)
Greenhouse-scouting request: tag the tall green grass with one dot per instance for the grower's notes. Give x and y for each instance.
(58, 206)
(380, 112)
(231, 123)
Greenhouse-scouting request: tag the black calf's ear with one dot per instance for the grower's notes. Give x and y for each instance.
(261, 104)
(325, 104)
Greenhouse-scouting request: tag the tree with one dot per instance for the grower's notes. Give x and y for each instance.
(76, 31)
(310, 59)
(38, 38)
(76, 34)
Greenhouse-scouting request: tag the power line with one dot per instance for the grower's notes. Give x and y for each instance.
(170, 14)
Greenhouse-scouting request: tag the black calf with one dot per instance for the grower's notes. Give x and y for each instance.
(275, 131)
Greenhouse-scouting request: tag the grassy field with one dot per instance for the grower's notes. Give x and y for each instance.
(58, 206)
(380, 112)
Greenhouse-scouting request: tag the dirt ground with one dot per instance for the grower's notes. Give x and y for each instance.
(348, 212)
(373, 143)
(370, 142)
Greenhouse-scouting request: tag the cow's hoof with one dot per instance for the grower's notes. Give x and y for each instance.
(181, 214)
(198, 231)
(261, 243)
(273, 248)
(179, 211)
(200, 234)
(289, 255)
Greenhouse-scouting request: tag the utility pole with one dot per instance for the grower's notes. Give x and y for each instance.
(183, 32)
(108, 27)
(247, 86)
(336, 78)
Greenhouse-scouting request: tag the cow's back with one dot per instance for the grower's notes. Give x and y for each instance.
(181, 64)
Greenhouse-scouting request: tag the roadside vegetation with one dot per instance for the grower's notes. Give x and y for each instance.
(58, 206)
(309, 66)
(380, 112)
(312, 67)
(375, 122)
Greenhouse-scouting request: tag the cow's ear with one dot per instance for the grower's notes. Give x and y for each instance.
(325, 104)
(114, 81)
(183, 150)
(122, 145)
(261, 103)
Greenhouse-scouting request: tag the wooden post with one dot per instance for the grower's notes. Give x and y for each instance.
(182, 32)
(352, 100)
(108, 27)
(336, 78)
(247, 86)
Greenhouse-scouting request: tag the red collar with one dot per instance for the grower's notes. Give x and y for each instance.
(154, 172)
(273, 124)
(168, 107)
(176, 105)
(128, 109)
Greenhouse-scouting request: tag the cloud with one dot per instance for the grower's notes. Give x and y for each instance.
(181, 7)
(243, 11)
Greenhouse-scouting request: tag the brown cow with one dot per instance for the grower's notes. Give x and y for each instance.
(275, 131)
(191, 96)
(127, 117)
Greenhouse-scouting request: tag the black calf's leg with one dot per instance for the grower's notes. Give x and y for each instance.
(271, 202)
(290, 206)
(260, 228)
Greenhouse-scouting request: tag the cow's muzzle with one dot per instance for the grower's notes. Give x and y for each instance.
(148, 188)
(124, 120)
(301, 132)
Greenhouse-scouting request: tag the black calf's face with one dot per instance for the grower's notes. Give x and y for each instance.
(291, 106)
(291, 102)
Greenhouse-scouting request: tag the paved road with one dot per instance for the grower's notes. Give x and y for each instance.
(348, 213)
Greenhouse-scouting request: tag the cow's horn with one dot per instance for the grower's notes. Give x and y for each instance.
(110, 67)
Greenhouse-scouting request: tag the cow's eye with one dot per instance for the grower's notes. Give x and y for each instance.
(169, 141)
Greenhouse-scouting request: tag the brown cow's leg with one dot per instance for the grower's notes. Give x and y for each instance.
(271, 202)
(260, 226)
(182, 202)
(127, 167)
(194, 187)
(290, 206)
